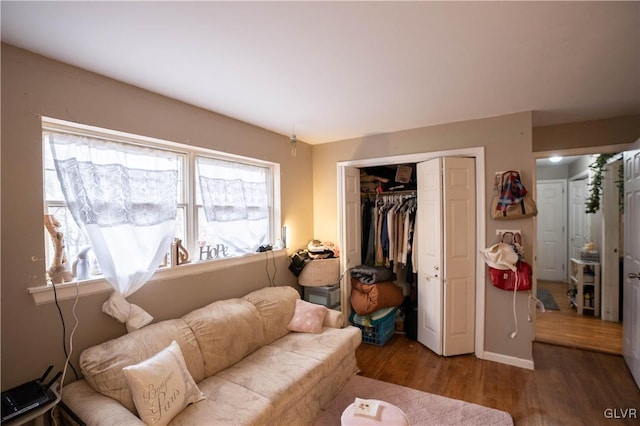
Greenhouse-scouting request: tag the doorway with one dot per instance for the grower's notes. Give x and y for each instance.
(562, 325)
(348, 211)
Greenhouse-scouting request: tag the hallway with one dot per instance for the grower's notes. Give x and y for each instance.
(565, 327)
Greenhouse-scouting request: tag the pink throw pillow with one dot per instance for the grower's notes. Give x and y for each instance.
(307, 317)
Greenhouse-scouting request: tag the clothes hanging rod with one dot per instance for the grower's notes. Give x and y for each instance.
(402, 192)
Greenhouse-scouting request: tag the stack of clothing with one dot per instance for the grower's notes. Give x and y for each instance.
(315, 250)
(322, 249)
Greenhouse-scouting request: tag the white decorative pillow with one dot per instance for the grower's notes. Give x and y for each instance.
(307, 317)
(162, 386)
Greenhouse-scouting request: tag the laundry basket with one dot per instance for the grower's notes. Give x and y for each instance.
(320, 272)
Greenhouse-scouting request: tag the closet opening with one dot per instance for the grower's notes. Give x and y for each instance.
(350, 202)
(388, 201)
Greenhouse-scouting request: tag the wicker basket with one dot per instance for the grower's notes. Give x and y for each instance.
(320, 272)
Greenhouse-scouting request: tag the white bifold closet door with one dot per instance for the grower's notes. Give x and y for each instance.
(446, 230)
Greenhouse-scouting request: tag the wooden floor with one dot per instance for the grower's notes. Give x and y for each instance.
(568, 386)
(566, 327)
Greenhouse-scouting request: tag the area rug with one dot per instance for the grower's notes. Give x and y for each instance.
(421, 408)
(547, 299)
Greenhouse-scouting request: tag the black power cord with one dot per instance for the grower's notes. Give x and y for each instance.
(64, 331)
(272, 280)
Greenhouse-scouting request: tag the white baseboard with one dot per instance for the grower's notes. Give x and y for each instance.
(509, 360)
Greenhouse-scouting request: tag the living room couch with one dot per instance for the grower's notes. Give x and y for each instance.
(250, 367)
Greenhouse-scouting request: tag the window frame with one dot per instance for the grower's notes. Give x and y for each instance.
(188, 154)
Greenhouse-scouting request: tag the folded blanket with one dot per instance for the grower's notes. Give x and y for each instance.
(371, 274)
(367, 298)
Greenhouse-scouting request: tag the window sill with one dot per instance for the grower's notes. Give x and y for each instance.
(45, 294)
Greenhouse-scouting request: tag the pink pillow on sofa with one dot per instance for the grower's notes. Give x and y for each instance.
(307, 317)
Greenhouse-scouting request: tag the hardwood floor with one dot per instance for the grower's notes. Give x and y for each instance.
(568, 387)
(566, 327)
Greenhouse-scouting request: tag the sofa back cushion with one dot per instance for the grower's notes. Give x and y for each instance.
(102, 365)
(227, 331)
(275, 307)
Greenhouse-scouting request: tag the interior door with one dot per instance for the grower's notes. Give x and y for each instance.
(351, 233)
(610, 256)
(552, 237)
(631, 300)
(577, 217)
(446, 261)
(430, 262)
(459, 280)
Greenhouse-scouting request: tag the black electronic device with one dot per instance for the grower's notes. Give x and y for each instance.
(265, 247)
(28, 396)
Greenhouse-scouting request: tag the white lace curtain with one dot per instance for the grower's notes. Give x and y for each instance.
(124, 197)
(235, 201)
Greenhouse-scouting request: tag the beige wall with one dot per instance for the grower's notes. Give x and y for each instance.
(507, 142)
(33, 86)
(595, 133)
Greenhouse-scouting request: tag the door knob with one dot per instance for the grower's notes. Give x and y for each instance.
(633, 275)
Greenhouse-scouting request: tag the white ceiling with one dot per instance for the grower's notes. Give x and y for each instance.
(337, 70)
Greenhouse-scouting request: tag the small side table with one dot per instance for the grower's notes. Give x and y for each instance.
(388, 414)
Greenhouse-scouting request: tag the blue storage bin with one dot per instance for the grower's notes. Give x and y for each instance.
(375, 331)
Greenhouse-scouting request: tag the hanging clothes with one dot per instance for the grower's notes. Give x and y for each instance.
(367, 217)
(390, 230)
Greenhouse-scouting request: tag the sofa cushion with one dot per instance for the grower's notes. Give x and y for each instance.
(161, 386)
(102, 365)
(329, 348)
(226, 403)
(307, 317)
(227, 331)
(281, 376)
(275, 307)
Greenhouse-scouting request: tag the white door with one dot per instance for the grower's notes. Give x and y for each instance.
(430, 261)
(631, 299)
(610, 256)
(351, 233)
(446, 248)
(552, 237)
(578, 230)
(459, 185)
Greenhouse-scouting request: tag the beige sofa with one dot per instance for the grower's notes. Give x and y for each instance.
(250, 367)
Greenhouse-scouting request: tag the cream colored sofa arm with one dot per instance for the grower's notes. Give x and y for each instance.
(333, 319)
(93, 408)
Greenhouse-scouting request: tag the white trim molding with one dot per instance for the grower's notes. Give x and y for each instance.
(509, 360)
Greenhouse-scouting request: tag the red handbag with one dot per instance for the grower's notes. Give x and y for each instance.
(510, 280)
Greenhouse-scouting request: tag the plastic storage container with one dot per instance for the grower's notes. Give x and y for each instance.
(328, 296)
(378, 327)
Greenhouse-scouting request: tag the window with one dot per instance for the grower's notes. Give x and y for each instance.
(225, 205)
(233, 206)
